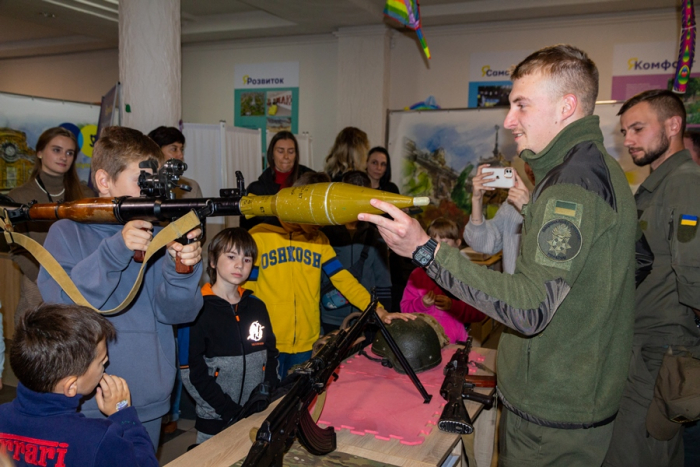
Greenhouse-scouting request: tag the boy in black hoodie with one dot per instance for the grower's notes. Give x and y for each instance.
(232, 349)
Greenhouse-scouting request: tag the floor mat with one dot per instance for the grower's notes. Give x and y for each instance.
(371, 400)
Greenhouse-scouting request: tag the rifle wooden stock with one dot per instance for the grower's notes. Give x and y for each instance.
(482, 381)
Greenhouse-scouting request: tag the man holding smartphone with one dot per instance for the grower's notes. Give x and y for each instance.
(570, 301)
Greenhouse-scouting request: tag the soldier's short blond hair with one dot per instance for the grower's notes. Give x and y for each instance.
(570, 70)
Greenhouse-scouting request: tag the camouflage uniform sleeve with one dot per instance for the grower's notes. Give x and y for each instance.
(559, 234)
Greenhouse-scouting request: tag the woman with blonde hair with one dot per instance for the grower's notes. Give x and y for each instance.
(53, 179)
(349, 152)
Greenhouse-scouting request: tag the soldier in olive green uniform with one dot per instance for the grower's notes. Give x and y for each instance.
(569, 304)
(668, 204)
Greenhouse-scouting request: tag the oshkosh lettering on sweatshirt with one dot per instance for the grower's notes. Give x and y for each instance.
(290, 254)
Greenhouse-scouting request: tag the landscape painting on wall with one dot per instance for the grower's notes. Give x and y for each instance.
(436, 153)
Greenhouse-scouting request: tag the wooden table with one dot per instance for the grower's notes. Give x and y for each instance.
(234, 443)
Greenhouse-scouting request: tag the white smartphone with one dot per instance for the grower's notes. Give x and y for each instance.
(502, 177)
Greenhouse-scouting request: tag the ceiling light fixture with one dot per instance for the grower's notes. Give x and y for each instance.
(97, 5)
(82, 10)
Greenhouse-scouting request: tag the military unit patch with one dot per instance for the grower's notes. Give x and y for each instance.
(687, 228)
(559, 239)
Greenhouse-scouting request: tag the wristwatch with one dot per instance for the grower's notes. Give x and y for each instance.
(424, 254)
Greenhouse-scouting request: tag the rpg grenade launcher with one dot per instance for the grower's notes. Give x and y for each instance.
(157, 203)
(318, 204)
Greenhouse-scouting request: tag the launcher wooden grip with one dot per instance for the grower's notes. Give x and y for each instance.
(179, 267)
(182, 268)
(139, 255)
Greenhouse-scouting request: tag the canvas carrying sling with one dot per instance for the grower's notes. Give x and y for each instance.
(172, 231)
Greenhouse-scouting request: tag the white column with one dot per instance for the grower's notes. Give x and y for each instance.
(363, 79)
(149, 63)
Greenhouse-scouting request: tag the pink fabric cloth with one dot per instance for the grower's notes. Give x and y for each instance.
(371, 400)
(453, 320)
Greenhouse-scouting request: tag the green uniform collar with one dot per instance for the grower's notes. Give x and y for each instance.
(669, 165)
(583, 129)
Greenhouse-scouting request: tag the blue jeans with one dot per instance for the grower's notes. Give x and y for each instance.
(288, 360)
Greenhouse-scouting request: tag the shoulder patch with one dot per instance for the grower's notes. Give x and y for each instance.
(559, 239)
(687, 228)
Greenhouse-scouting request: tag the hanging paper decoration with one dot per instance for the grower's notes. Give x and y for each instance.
(407, 12)
(687, 48)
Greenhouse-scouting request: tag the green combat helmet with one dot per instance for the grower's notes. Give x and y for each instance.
(418, 342)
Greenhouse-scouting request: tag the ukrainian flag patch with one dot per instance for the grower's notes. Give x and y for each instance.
(565, 208)
(687, 228)
(689, 220)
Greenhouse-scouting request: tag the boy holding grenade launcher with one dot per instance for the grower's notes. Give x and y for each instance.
(99, 260)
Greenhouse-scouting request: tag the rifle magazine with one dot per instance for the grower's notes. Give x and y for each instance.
(318, 441)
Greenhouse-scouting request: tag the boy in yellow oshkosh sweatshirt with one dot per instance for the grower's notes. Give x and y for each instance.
(287, 277)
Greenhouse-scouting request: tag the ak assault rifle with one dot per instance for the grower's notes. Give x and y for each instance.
(459, 385)
(291, 418)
